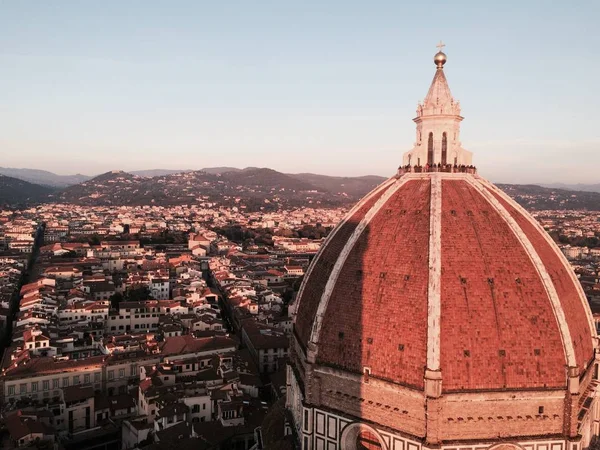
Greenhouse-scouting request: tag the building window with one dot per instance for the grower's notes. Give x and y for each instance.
(34, 386)
(23, 388)
(111, 374)
(65, 381)
(97, 377)
(76, 379)
(86, 378)
(430, 150)
(55, 383)
(11, 390)
(45, 385)
(121, 373)
(444, 148)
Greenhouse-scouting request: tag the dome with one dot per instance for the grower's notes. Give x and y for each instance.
(440, 314)
(445, 271)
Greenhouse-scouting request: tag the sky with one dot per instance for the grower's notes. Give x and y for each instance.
(325, 87)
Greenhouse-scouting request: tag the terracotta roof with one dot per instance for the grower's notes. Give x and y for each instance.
(178, 345)
(263, 336)
(173, 409)
(21, 424)
(48, 365)
(73, 394)
(508, 300)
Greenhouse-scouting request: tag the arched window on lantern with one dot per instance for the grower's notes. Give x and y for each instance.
(430, 150)
(444, 149)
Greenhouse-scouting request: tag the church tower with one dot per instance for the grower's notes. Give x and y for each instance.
(438, 125)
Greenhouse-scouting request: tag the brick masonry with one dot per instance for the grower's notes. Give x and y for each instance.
(503, 368)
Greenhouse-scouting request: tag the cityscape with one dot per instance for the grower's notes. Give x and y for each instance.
(151, 326)
(257, 303)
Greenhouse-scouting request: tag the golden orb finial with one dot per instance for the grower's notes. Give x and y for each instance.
(440, 57)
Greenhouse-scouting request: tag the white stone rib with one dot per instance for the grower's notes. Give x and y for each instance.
(329, 238)
(435, 272)
(559, 313)
(339, 264)
(561, 256)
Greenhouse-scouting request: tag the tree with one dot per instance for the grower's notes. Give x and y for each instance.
(137, 293)
(115, 299)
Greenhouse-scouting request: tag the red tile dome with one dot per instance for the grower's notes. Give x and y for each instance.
(443, 271)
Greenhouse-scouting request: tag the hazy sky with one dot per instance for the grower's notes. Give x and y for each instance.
(322, 86)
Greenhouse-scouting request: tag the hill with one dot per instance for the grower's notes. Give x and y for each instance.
(110, 188)
(351, 186)
(156, 172)
(264, 189)
(43, 177)
(218, 170)
(575, 187)
(267, 178)
(534, 197)
(251, 189)
(15, 192)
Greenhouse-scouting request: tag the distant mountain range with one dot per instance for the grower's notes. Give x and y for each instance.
(575, 187)
(47, 178)
(251, 189)
(43, 177)
(15, 192)
(535, 197)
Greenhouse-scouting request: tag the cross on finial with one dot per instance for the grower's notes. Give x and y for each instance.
(440, 46)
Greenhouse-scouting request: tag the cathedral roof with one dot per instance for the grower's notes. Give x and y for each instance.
(445, 271)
